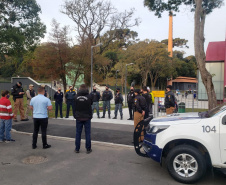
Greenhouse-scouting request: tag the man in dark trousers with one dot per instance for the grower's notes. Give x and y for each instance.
(169, 100)
(130, 101)
(118, 103)
(18, 93)
(83, 116)
(40, 106)
(148, 99)
(70, 99)
(106, 97)
(58, 97)
(95, 97)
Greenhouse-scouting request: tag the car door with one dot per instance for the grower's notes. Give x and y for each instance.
(223, 139)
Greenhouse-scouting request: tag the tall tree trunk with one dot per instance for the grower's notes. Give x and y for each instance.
(199, 39)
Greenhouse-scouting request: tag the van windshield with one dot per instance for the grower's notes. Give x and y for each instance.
(213, 112)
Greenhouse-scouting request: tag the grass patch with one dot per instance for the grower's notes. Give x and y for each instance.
(195, 110)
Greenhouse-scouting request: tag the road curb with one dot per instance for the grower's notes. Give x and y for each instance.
(73, 140)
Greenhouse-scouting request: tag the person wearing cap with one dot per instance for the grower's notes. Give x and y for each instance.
(30, 94)
(139, 107)
(96, 97)
(118, 103)
(130, 101)
(70, 99)
(18, 93)
(169, 100)
(106, 97)
(148, 99)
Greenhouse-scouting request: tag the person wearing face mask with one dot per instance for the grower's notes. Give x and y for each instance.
(58, 97)
(106, 97)
(96, 97)
(169, 100)
(148, 99)
(18, 93)
(70, 99)
(130, 101)
(6, 115)
(118, 103)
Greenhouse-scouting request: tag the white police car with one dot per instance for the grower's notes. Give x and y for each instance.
(188, 141)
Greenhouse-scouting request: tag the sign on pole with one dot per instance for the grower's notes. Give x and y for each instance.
(159, 94)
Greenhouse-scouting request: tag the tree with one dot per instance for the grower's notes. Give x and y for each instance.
(201, 8)
(177, 42)
(54, 56)
(92, 17)
(20, 26)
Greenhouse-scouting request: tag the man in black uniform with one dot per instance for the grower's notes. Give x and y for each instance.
(70, 99)
(106, 97)
(139, 108)
(83, 116)
(148, 99)
(95, 97)
(130, 101)
(18, 93)
(58, 97)
(169, 100)
(118, 103)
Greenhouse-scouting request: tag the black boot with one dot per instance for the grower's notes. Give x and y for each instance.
(121, 118)
(109, 116)
(114, 117)
(103, 116)
(98, 116)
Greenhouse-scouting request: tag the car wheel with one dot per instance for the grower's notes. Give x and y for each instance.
(186, 164)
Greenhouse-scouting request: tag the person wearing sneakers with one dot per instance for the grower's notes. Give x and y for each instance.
(118, 103)
(83, 116)
(18, 93)
(40, 104)
(6, 115)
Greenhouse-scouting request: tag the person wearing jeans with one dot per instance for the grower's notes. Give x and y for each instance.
(6, 115)
(83, 116)
(40, 106)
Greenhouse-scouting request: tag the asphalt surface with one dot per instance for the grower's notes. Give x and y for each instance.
(108, 164)
(112, 133)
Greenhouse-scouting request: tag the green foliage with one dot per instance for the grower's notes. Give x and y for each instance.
(159, 6)
(177, 42)
(20, 26)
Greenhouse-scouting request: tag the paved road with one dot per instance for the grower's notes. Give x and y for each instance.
(106, 165)
(113, 133)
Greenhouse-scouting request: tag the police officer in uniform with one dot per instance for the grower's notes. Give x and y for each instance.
(18, 93)
(30, 94)
(70, 99)
(106, 97)
(118, 103)
(148, 99)
(58, 97)
(130, 101)
(169, 100)
(96, 97)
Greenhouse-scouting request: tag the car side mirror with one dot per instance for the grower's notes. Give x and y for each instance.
(224, 120)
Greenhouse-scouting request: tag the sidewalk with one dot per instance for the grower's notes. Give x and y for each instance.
(107, 120)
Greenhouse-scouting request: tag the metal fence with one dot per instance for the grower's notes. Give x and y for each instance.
(194, 102)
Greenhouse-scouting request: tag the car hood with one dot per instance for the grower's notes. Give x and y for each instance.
(181, 117)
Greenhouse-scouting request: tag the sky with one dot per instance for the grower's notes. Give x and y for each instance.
(150, 27)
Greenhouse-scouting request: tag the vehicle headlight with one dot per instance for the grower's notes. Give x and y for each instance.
(151, 129)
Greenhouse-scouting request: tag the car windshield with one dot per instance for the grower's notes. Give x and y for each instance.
(213, 112)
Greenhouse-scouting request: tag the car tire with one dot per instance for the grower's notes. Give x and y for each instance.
(186, 164)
